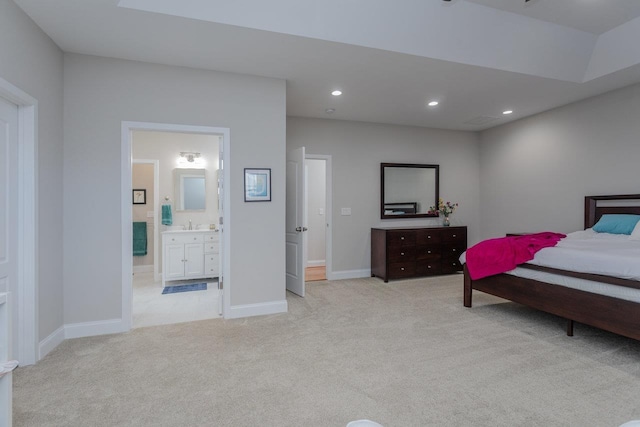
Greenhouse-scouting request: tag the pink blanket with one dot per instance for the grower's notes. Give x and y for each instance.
(496, 256)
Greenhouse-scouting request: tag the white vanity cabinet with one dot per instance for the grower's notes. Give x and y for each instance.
(190, 255)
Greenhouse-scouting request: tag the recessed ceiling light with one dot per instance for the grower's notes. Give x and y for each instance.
(433, 103)
(330, 110)
(507, 112)
(336, 93)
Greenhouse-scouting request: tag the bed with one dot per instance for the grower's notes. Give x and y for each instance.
(612, 312)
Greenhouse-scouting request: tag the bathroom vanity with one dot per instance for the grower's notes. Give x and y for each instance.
(190, 254)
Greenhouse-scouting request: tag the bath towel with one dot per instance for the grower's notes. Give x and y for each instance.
(166, 215)
(139, 238)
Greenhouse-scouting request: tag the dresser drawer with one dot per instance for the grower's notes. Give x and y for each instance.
(401, 238)
(428, 252)
(402, 253)
(428, 267)
(402, 269)
(451, 264)
(429, 237)
(455, 235)
(452, 251)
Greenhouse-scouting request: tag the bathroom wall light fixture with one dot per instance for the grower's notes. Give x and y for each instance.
(189, 156)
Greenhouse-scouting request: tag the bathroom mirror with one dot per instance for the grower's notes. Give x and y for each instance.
(408, 190)
(189, 189)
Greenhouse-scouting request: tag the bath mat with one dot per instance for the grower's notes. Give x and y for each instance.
(184, 288)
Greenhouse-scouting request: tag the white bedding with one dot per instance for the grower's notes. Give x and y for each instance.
(596, 253)
(590, 252)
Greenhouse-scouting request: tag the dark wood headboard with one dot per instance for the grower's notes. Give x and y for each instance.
(593, 212)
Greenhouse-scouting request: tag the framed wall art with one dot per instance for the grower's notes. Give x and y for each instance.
(139, 197)
(257, 185)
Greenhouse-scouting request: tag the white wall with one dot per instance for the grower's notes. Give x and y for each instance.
(316, 211)
(358, 149)
(33, 63)
(536, 172)
(99, 94)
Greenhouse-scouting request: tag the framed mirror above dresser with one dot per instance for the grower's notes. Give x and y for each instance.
(408, 190)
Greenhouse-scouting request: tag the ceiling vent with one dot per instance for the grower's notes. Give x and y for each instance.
(481, 120)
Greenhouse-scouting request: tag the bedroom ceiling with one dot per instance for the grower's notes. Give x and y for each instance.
(478, 58)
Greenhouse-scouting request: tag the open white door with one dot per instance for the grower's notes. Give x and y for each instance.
(221, 226)
(8, 248)
(295, 227)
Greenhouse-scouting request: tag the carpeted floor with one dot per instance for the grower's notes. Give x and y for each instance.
(404, 353)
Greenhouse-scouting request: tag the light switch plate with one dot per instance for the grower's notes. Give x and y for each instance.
(345, 211)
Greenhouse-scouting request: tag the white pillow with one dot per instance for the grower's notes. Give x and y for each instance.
(635, 234)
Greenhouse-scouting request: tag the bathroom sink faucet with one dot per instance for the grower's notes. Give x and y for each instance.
(190, 227)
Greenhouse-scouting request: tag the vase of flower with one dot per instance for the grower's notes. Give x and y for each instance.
(445, 210)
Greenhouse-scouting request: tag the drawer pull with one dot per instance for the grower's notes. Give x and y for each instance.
(195, 238)
(428, 237)
(454, 250)
(402, 253)
(454, 235)
(402, 238)
(428, 252)
(428, 266)
(402, 268)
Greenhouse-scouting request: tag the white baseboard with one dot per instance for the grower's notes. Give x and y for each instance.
(49, 343)
(316, 263)
(261, 309)
(89, 329)
(143, 269)
(348, 274)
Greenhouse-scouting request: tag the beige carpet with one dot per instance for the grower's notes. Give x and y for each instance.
(404, 353)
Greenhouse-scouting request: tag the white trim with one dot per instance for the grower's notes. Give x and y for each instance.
(49, 343)
(90, 329)
(316, 263)
(127, 129)
(142, 269)
(349, 274)
(328, 211)
(261, 309)
(27, 290)
(156, 209)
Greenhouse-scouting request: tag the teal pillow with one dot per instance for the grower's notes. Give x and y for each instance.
(616, 224)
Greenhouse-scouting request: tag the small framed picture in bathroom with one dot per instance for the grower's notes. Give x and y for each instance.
(139, 197)
(257, 185)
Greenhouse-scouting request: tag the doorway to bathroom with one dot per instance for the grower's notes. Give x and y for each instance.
(176, 191)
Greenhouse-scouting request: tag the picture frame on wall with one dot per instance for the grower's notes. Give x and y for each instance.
(257, 185)
(139, 197)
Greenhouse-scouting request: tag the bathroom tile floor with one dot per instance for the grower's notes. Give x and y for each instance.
(151, 308)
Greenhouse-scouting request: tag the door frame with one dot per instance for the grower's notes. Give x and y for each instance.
(328, 211)
(127, 129)
(156, 209)
(28, 351)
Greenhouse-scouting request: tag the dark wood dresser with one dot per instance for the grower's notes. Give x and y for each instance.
(402, 252)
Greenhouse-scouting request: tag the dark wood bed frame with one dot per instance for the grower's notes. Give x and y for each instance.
(611, 314)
